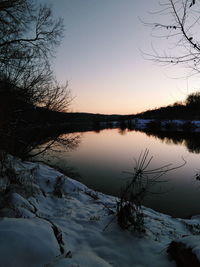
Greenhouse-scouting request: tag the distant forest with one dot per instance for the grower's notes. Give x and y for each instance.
(186, 110)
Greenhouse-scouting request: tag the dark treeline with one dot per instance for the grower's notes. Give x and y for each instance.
(187, 110)
(26, 126)
(42, 116)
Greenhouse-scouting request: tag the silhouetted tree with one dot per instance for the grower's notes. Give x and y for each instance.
(28, 37)
(193, 100)
(179, 23)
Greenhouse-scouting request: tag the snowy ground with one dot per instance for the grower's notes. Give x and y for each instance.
(141, 124)
(60, 222)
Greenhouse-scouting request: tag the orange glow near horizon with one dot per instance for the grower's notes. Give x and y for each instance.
(100, 56)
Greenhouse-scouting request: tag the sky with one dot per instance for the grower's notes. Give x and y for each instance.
(101, 58)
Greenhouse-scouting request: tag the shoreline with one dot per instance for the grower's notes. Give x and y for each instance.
(55, 222)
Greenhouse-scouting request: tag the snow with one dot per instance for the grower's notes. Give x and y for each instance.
(141, 124)
(26, 242)
(79, 229)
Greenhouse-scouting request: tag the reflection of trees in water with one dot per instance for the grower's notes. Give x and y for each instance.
(63, 142)
(21, 141)
(54, 153)
(122, 131)
(190, 140)
(192, 146)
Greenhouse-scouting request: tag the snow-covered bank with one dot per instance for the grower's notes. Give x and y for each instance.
(155, 124)
(57, 221)
(178, 125)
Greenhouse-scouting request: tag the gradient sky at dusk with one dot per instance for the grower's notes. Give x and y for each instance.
(100, 57)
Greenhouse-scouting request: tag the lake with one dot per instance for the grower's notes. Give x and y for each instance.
(102, 158)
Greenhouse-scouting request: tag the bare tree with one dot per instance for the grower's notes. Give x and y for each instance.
(28, 37)
(27, 30)
(179, 22)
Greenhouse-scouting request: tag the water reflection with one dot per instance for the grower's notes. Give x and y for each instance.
(58, 144)
(190, 140)
(122, 131)
(102, 157)
(27, 140)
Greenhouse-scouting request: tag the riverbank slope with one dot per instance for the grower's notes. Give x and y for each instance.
(52, 220)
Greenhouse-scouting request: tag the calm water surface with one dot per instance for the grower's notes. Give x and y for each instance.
(102, 158)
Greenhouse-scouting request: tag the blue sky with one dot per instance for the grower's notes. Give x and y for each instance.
(100, 56)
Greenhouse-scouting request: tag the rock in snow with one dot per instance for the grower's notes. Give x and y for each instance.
(40, 227)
